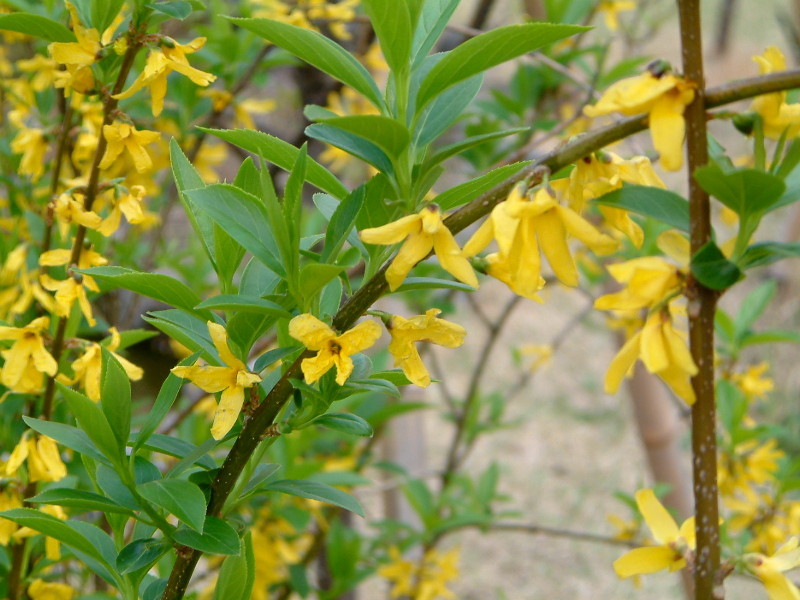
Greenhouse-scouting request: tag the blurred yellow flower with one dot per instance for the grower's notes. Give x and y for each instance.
(32, 144)
(427, 581)
(769, 569)
(332, 350)
(123, 136)
(777, 116)
(47, 590)
(42, 456)
(753, 384)
(27, 359)
(611, 9)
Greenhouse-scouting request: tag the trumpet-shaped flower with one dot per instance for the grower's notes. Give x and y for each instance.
(130, 205)
(770, 569)
(122, 136)
(171, 56)
(27, 359)
(72, 288)
(88, 367)
(663, 96)
(231, 379)
(673, 544)
(778, 116)
(649, 280)
(422, 328)
(67, 210)
(332, 350)
(42, 456)
(422, 232)
(32, 144)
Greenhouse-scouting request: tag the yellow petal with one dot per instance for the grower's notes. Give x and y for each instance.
(641, 561)
(622, 363)
(310, 331)
(656, 516)
(315, 367)
(209, 378)
(552, 237)
(393, 232)
(230, 405)
(415, 248)
(451, 258)
(359, 338)
(667, 127)
(480, 239)
(220, 338)
(344, 367)
(580, 228)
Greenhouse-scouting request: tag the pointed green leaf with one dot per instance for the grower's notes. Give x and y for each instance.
(80, 500)
(745, 191)
(432, 22)
(662, 205)
(37, 26)
(94, 423)
(766, 253)
(465, 192)
(352, 144)
(345, 423)
(141, 554)
(316, 491)
(115, 396)
(713, 270)
(178, 497)
(393, 25)
(245, 303)
(66, 435)
(217, 538)
(385, 133)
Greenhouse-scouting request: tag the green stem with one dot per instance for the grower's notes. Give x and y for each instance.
(376, 286)
(702, 306)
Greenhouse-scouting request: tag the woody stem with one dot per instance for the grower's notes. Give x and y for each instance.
(702, 306)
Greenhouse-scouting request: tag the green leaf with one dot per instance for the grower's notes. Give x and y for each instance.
(458, 147)
(164, 401)
(771, 337)
(266, 359)
(713, 270)
(141, 554)
(465, 192)
(341, 223)
(66, 435)
(104, 12)
(385, 133)
(217, 538)
(178, 497)
(662, 205)
(316, 491)
(188, 330)
(115, 396)
(316, 276)
(244, 328)
(352, 144)
(94, 423)
(392, 22)
(488, 50)
(244, 218)
(80, 500)
(245, 304)
(172, 446)
(438, 115)
(432, 22)
(158, 286)
(766, 253)
(754, 305)
(318, 51)
(431, 283)
(237, 574)
(745, 191)
(37, 26)
(345, 423)
(177, 9)
(281, 154)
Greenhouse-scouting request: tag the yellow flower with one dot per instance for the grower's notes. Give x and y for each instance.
(425, 232)
(497, 267)
(542, 354)
(525, 223)
(42, 456)
(130, 205)
(276, 546)
(649, 281)
(81, 53)
(752, 382)
(32, 144)
(778, 117)
(67, 210)
(422, 328)
(611, 10)
(46, 590)
(673, 544)
(331, 349)
(72, 288)
(301, 13)
(663, 351)
(171, 56)
(769, 569)
(27, 359)
(9, 498)
(748, 463)
(231, 380)
(663, 97)
(122, 136)
(426, 582)
(88, 367)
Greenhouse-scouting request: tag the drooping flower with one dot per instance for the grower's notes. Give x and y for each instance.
(88, 367)
(427, 581)
(67, 210)
(663, 96)
(31, 143)
(42, 457)
(648, 281)
(48, 590)
(171, 56)
(332, 350)
(72, 289)
(673, 544)
(770, 569)
(231, 379)
(27, 360)
(778, 116)
(422, 328)
(422, 232)
(123, 136)
(130, 205)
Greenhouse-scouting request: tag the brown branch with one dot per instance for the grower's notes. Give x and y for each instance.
(372, 290)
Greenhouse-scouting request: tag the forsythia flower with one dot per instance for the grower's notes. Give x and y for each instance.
(331, 349)
(673, 544)
(748, 463)
(649, 280)
(663, 96)
(426, 582)
(8, 499)
(775, 113)
(122, 136)
(33, 146)
(769, 569)
(231, 380)
(422, 328)
(752, 382)
(171, 56)
(611, 8)
(72, 288)
(88, 367)
(425, 232)
(301, 13)
(130, 205)
(27, 359)
(68, 210)
(46, 590)
(42, 456)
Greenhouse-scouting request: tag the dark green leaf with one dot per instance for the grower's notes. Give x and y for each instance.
(266, 359)
(186, 329)
(745, 191)
(344, 422)
(440, 114)
(66, 435)
(245, 304)
(662, 205)
(80, 500)
(713, 270)
(385, 133)
(94, 423)
(352, 144)
(172, 446)
(341, 223)
(37, 26)
(316, 491)
(432, 22)
(766, 253)
(178, 497)
(316, 276)
(115, 396)
(217, 538)
(141, 554)
(177, 9)
(393, 25)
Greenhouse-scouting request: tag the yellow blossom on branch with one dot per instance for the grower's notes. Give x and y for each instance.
(47, 590)
(42, 457)
(673, 544)
(32, 144)
(72, 288)
(747, 464)
(67, 209)
(231, 379)
(422, 232)
(422, 328)
(332, 350)
(123, 136)
(753, 384)
(770, 569)
(778, 116)
(9, 498)
(663, 96)
(427, 581)
(611, 9)
(171, 56)
(129, 204)
(27, 359)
